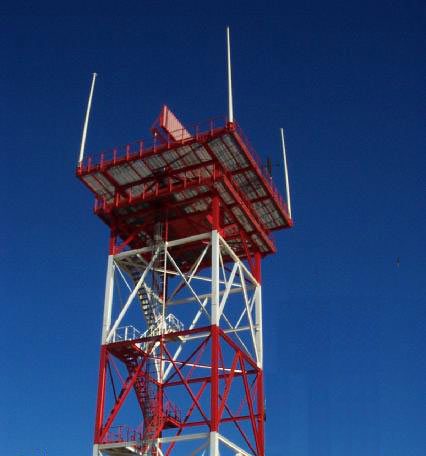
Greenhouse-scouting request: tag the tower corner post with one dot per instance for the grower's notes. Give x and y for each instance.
(215, 320)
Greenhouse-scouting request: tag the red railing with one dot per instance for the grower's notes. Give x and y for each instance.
(138, 148)
(172, 411)
(263, 169)
(123, 433)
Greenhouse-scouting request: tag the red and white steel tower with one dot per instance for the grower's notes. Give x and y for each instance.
(190, 217)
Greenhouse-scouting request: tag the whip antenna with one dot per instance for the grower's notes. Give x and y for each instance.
(86, 121)
(287, 185)
(230, 101)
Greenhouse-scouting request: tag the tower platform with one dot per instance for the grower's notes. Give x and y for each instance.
(179, 173)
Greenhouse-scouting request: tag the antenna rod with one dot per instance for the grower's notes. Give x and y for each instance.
(230, 102)
(86, 121)
(287, 185)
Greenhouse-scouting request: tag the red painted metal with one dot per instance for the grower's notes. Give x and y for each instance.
(182, 180)
(221, 411)
(116, 201)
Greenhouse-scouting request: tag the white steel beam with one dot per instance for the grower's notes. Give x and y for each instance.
(228, 288)
(197, 298)
(205, 295)
(204, 334)
(131, 297)
(184, 340)
(214, 444)
(109, 293)
(237, 260)
(95, 450)
(191, 274)
(246, 303)
(184, 438)
(215, 313)
(233, 446)
(259, 324)
(189, 239)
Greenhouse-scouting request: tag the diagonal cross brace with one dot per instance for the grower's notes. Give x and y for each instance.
(131, 297)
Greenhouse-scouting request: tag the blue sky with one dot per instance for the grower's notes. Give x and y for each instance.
(344, 326)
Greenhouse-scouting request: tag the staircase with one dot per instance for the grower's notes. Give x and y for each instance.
(148, 310)
(147, 396)
(156, 415)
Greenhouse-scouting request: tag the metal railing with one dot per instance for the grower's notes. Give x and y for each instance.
(170, 324)
(138, 149)
(263, 169)
(126, 333)
(123, 433)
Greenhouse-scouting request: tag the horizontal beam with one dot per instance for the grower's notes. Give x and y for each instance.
(170, 244)
(183, 438)
(233, 446)
(203, 296)
(106, 446)
(226, 331)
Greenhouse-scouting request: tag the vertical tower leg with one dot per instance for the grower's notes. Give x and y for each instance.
(214, 444)
(215, 318)
(109, 291)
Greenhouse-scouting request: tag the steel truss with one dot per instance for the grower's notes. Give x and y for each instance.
(191, 360)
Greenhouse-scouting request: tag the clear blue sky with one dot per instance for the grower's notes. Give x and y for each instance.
(344, 326)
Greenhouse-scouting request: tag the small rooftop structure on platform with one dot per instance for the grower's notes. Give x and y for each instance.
(179, 172)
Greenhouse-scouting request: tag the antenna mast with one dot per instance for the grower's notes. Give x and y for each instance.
(230, 101)
(86, 121)
(287, 185)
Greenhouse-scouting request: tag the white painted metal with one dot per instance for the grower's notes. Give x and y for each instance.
(233, 446)
(86, 120)
(112, 445)
(287, 185)
(95, 450)
(230, 100)
(183, 340)
(163, 307)
(188, 284)
(234, 290)
(228, 287)
(215, 278)
(187, 240)
(226, 331)
(214, 444)
(248, 310)
(131, 297)
(184, 438)
(259, 325)
(237, 260)
(175, 243)
(109, 293)
(191, 275)
(244, 312)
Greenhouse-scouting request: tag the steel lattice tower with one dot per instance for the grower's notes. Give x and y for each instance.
(190, 217)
